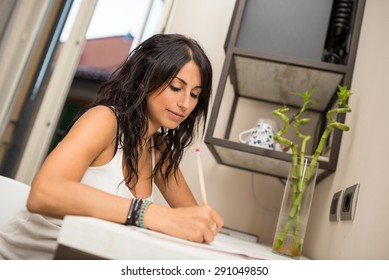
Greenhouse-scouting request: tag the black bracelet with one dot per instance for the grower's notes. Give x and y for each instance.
(133, 213)
(137, 209)
(130, 217)
(127, 222)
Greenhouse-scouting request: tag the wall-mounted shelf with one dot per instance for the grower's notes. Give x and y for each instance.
(265, 64)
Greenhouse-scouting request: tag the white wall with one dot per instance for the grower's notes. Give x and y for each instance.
(250, 202)
(364, 155)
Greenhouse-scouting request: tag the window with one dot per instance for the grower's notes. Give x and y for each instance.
(69, 81)
(141, 19)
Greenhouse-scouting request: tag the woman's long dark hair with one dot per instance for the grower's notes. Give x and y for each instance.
(150, 66)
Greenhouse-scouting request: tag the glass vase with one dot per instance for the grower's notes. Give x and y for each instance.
(295, 208)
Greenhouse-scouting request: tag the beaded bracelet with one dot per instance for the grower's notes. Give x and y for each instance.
(142, 212)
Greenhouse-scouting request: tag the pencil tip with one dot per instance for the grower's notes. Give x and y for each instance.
(197, 150)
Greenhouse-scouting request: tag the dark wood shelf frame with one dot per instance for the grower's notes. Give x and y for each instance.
(237, 68)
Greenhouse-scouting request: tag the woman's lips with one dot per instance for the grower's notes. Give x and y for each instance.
(176, 116)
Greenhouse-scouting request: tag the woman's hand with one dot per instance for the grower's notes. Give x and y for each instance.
(195, 223)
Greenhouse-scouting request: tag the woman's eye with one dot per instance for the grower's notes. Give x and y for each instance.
(194, 95)
(173, 88)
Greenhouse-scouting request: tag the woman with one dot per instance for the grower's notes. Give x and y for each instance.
(133, 135)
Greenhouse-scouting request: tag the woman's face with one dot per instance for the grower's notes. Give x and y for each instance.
(169, 106)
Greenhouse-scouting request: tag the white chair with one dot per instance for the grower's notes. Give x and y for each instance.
(13, 198)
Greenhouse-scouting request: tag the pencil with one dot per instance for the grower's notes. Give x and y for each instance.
(201, 176)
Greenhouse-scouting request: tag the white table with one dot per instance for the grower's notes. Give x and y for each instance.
(91, 238)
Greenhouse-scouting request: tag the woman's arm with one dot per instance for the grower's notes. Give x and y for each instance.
(56, 189)
(186, 220)
(176, 192)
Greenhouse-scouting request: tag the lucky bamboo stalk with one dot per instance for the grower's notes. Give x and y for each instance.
(299, 182)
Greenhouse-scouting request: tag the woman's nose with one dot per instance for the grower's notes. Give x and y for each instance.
(184, 100)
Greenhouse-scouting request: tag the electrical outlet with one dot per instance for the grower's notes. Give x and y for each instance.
(334, 209)
(349, 203)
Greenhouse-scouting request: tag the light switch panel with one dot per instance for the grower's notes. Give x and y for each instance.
(349, 203)
(334, 208)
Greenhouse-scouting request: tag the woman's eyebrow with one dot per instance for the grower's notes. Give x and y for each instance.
(185, 83)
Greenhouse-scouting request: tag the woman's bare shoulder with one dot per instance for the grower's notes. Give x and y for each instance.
(91, 139)
(100, 113)
(95, 129)
(99, 117)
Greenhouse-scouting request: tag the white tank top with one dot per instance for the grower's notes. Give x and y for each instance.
(109, 177)
(34, 236)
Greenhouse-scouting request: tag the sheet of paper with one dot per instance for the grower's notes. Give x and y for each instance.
(222, 243)
(115, 241)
